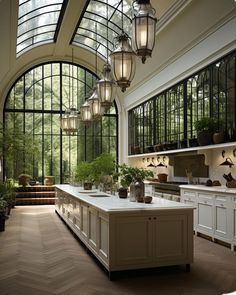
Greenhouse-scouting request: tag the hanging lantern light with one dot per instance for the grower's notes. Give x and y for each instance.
(70, 120)
(123, 62)
(106, 88)
(144, 28)
(96, 107)
(85, 113)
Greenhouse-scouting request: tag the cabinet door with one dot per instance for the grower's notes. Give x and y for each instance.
(205, 213)
(133, 241)
(221, 226)
(93, 228)
(171, 238)
(84, 221)
(70, 209)
(77, 216)
(189, 197)
(103, 237)
(233, 230)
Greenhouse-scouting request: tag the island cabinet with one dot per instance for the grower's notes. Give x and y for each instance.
(215, 213)
(127, 235)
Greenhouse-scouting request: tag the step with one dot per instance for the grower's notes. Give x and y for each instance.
(35, 201)
(35, 194)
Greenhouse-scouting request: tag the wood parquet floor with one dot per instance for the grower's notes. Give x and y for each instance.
(40, 256)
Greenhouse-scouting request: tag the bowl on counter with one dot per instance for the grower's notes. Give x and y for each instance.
(147, 199)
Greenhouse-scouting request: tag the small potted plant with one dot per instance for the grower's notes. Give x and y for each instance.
(84, 174)
(205, 128)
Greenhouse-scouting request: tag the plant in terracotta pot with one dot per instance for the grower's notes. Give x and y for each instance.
(24, 179)
(84, 174)
(205, 128)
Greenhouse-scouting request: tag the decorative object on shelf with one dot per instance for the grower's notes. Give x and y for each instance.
(149, 149)
(183, 143)
(158, 147)
(209, 182)
(216, 183)
(227, 161)
(70, 119)
(231, 181)
(189, 175)
(143, 28)
(193, 142)
(162, 177)
(205, 127)
(123, 62)
(147, 199)
(219, 137)
(161, 164)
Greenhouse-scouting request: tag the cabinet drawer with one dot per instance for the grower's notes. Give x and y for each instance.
(220, 201)
(205, 199)
(190, 194)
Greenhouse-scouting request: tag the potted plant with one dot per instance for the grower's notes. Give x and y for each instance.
(84, 174)
(136, 176)
(103, 170)
(205, 128)
(3, 205)
(24, 179)
(7, 193)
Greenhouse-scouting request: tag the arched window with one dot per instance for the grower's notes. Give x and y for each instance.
(32, 124)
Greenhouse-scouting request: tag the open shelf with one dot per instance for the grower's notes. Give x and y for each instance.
(185, 150)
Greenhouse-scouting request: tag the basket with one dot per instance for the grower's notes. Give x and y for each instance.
(231, 184)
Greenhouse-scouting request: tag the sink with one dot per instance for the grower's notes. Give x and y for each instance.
(99, 196)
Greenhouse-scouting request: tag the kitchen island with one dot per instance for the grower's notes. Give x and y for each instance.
(128, 235)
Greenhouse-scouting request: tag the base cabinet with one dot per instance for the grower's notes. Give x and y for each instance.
(130, 239)
(215, 214)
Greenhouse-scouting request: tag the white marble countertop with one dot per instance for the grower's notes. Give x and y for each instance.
(114, 203)
(222, 188)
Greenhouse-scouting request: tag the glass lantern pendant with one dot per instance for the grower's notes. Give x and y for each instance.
(96, 108)
(123, 62)
(85, 113)
(143, 28)
(70, 121)
(106, 88)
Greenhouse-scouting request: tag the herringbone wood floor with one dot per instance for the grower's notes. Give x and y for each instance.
(40, 256)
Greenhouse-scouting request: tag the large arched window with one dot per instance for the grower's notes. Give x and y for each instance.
(32, 122)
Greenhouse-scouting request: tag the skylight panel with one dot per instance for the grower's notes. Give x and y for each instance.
(37, 23)
(107, 15)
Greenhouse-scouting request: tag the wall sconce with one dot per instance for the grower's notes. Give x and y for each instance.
(227, 161)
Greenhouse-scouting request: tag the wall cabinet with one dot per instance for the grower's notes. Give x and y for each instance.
(215, 213)
(130, 239)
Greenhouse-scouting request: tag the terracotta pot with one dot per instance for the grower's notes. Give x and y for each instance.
(205, 137)
(219, 137)
(162, 177)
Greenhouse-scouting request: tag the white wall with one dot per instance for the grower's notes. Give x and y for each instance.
(202, 33)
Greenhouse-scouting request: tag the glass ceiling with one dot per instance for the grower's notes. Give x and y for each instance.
(107, 14)
(38, 22)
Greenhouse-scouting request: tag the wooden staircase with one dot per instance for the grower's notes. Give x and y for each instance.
(35, 195)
